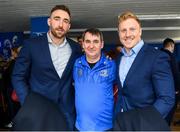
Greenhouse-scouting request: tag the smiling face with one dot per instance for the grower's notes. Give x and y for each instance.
(59, 24)
(92, 45)
(129, 33)
(129, 27)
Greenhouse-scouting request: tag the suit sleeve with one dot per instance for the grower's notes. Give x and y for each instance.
(163, 84)
(20, 73)
(175, 72)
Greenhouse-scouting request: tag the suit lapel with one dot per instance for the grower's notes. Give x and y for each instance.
(118, 60)
(137, 62)
(46, 53)
(71, 60)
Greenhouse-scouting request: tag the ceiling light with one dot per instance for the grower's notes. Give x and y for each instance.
(157, 17)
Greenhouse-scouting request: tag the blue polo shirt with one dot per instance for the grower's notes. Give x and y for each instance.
(94, 94)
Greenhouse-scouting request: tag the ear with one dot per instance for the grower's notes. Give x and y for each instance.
(69, 25)
(102, 44)
(83, 44)
(48, 21)
(140, 31)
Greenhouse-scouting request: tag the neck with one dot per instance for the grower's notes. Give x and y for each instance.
(92, 59)
(127, 51)
(56, 40)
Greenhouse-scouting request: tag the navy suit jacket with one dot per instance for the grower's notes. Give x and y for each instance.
(148, 82)
(39, 114)
(34, 70)
(140, 119)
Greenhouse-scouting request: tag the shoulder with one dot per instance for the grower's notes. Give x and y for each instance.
(153, 51)
(75, 46)
(108, 61)
(80, 60)
(158, 59)
(73, 43)
(36, 39)
(150, 49)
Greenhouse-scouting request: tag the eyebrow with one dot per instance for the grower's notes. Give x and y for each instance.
(95, 40)
(60, 17)
(56, 17)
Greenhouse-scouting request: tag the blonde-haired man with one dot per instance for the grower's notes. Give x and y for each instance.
(144, 74)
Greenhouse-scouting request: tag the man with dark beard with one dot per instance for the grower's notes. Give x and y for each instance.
(45, 64)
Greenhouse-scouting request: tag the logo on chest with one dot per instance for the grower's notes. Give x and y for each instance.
(104, 73)
(80, 72)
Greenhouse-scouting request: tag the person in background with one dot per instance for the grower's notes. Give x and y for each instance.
(169, 47)
(45, 65)
(94, 76)
(13, 106)
(115, 52)
(79, 40)
(144, 74)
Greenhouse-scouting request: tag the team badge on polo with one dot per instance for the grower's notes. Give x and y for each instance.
(80, 72)
(104, 73)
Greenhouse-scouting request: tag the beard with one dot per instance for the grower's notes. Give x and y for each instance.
(58, 33)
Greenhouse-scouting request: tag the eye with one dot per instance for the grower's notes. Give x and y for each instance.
(132, 29)
(123, 31)
(57, 18)
(66, 21)
(87, 41)
(96, 41)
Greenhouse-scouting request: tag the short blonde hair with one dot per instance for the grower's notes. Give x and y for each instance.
(128, 14)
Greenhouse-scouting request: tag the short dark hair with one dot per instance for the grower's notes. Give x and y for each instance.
(93, 31)
(61, 7)
(167, 42)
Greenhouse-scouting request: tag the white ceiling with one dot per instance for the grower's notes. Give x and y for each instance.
(160, 18)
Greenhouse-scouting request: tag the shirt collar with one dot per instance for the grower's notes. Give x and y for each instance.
(51, 42)
(102, 61)
(134, 50)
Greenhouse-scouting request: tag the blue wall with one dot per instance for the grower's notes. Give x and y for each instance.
(38, 26)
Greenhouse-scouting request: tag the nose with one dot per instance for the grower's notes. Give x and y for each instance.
(91, 45)
(128, 33)
(60, 23)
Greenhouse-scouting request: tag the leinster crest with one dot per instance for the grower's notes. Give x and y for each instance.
(80, 72)
(104, 73)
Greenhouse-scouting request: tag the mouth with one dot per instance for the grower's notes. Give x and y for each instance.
(128, 40)
(91, 50)
(60, 30)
